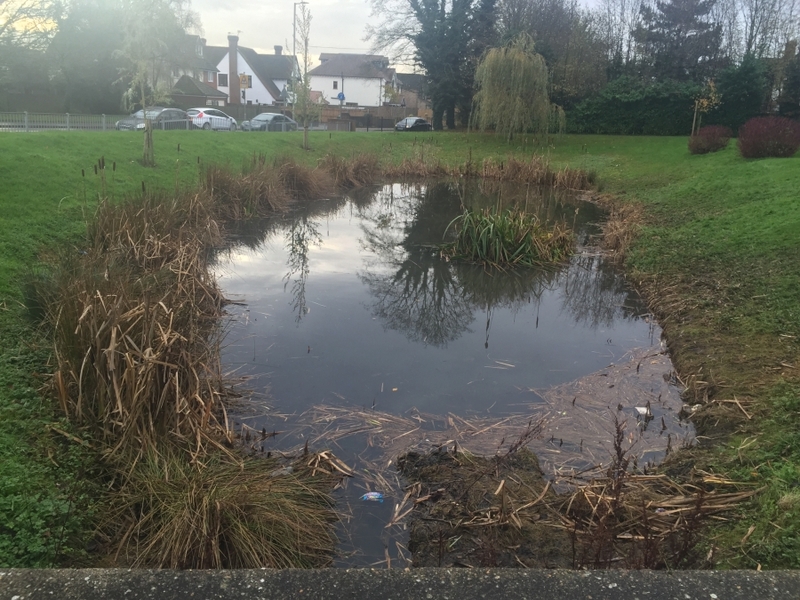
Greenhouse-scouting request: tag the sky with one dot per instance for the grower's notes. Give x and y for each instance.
(336, 25)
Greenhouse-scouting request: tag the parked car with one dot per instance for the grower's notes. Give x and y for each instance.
(211, 118)
(270, 122)
(413, 124)
(162, 118)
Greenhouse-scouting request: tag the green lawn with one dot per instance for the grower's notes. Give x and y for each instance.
(719, 254)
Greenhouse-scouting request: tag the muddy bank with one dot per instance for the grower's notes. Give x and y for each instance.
(483, 512)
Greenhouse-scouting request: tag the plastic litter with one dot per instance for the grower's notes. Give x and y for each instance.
(373, 497)
(283, 471)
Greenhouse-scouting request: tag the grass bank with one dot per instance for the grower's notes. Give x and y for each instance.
(716, 254)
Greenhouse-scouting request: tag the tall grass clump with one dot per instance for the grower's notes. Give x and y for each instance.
(263, 188)
(538, 171)
(507, 238)
(711, 138)
(226, 514)
(359, 170)
(134, 317)
(763, 137)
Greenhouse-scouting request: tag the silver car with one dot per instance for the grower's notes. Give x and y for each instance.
(211, 118)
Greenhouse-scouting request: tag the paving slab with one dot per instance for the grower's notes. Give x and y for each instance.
(416, 584)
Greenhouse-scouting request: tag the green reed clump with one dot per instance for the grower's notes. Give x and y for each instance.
(226, 514)
(507, 238)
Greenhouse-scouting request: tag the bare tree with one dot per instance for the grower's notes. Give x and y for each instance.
(27, 23)
(305, 109)
(154, 33)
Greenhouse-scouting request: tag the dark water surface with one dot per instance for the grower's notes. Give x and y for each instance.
(347, 302)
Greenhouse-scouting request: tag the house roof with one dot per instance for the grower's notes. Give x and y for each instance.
(188, 86)
(216, 53)
(267, 67)
(191, 59)
(363, 66)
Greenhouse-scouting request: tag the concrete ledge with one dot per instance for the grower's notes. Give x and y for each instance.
(367, 584)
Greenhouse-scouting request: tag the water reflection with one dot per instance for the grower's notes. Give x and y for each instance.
(347, 303)
(433, 301)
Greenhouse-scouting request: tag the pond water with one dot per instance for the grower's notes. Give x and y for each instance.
(354, 333)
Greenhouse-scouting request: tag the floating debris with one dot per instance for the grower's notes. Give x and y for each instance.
(372, 497)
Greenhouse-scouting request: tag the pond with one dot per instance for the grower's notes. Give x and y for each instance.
(353, 333)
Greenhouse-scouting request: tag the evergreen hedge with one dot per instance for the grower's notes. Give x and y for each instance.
(628, 106)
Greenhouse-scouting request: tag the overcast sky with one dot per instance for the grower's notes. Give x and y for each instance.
(336, 25)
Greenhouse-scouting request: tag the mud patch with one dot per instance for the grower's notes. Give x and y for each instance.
(483, 512)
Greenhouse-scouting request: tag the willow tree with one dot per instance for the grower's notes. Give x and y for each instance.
(511, 92)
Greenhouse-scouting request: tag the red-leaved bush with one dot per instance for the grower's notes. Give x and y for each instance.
(710, 139)
(769, 136)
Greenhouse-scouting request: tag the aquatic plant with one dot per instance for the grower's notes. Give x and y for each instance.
(507, 238)
(230, 513)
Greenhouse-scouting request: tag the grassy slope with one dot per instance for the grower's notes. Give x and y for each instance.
(719, 242)
(722, 244)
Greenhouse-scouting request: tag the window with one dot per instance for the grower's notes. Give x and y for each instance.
(209, 77)
(222, 78)
(336, 85)
(249, 83)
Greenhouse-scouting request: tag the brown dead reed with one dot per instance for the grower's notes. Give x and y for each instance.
(357, 171)
(134, 320)
(536, 171)
(621, 226)
(626, 520)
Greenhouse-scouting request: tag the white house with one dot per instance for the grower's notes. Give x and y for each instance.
(361, 79)
(248, 77)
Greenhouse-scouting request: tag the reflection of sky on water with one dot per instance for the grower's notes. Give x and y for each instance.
(349, 302)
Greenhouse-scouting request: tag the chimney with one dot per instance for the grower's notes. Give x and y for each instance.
(278, 50)
(233, 70)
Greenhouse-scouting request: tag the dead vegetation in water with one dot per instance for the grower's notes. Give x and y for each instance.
(577, 421)
(620, 227)
(500, 511)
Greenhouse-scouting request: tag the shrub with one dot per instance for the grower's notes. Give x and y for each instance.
(710, 139)
(769, 136)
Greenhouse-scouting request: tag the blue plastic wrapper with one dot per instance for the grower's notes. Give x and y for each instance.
(373, 497)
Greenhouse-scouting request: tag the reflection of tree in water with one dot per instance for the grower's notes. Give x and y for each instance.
(433, 301)
(415, 291)
(301, 234)
(593, 293)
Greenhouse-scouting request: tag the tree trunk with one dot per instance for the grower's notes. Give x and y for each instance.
(451, 116)
(438, 113)
(148, 154)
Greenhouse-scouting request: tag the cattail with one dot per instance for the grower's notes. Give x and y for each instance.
(95, 169)
(143, 188)
(83, 173)
(114, 166)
